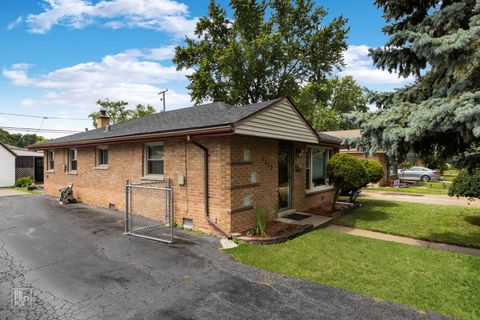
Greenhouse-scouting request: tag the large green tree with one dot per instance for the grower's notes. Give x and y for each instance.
(438, 42)
(325, 103)
(18, 139)
(267, 49)
(118, 112)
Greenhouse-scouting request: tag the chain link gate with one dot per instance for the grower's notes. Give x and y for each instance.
(148, 212)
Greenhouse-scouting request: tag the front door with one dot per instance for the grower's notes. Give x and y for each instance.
(38, 170)
(284, 175)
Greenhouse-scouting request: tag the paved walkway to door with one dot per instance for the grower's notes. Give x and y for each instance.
(404, 240)
(420, 198)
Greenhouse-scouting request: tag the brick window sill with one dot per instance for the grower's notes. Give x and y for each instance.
(244, 208)
(243, 186)
(239, 162)
(101, 168)
(312, 192)
(72, 173)
(158, 178)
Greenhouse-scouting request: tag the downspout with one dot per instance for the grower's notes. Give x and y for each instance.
(206, 198)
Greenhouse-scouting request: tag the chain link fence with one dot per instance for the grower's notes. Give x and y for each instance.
(149, 211)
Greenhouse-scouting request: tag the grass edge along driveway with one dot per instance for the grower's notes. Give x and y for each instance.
(428, 279)
(437, 223)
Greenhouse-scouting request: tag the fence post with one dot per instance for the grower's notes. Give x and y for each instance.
(126, 204)
(170, 208)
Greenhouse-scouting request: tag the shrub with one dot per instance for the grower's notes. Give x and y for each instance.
(466, 184)
(348, 174)
(374, 170)
(24, 182)
(260, 222)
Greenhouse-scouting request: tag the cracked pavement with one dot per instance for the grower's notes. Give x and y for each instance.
(80, 266)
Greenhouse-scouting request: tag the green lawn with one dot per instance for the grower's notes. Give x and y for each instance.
(418, 190)
(435, 184)
(439, 223)
(428, 279)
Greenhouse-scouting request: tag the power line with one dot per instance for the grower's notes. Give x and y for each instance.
(39, 130)
(41, 117)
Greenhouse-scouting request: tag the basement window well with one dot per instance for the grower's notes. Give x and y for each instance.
(187, 223)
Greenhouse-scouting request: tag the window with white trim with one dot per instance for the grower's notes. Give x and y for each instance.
(154, 159)
(50, 160)
(72, 160)
(316, 168)
(102, 156)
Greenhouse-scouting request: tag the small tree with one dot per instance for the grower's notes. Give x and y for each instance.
(118, 112)
(374, 170)
(466, 184)
(348, 174)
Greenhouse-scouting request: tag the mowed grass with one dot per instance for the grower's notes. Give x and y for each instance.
(428, 279)
(438, 223)
(418, 190)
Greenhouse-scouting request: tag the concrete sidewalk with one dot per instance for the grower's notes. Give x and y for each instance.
(420, 198)
(404, 240)
(7, 192)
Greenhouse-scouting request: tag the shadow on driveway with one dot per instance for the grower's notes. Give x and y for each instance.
(80, 265)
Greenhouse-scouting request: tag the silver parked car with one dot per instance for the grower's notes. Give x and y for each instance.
(419, 173)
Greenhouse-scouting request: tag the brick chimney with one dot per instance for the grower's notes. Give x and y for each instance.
(103, 120)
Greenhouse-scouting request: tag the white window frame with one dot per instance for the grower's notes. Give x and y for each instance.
(70, 160)
(145, 161)
(97, 157)
(50, 160)
(325, 186)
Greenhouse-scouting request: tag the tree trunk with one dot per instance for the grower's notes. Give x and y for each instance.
(335, 197)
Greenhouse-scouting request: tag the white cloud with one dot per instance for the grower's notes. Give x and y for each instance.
(15, 23)
(163, 15)
(125, 76)
(360, 66)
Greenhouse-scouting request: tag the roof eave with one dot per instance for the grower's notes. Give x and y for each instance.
(226, 129)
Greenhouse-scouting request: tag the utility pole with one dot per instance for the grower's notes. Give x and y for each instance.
(163, 98)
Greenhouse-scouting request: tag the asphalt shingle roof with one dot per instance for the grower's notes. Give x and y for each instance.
(203, 116)
(329, 138)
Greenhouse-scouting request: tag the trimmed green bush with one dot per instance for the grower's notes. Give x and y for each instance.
(348, 175)
(374, 170)
(466, 184)
(24, 182)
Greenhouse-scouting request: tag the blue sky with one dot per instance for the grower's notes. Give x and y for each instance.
(59, 56)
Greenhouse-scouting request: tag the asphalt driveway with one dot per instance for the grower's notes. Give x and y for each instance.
(80, 266)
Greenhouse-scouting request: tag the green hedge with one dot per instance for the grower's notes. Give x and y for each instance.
(466, 184)
(24, 182)
(374, 170)
(347, 172)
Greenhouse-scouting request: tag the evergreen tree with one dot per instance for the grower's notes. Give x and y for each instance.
(268, 49)
(438, 42)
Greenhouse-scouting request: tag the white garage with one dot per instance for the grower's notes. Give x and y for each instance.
(18, 162)
(7, 166)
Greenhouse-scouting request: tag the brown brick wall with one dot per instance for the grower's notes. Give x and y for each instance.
(103, 187)
(229, 179)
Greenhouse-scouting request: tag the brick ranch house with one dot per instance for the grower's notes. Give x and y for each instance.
(258, 155)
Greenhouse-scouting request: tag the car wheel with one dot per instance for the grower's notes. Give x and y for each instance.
(425, 178)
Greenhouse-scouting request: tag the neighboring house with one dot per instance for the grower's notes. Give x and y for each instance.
(259, 155)
(379, 156)
(18, 162)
